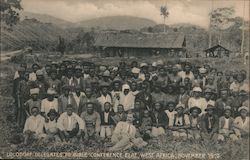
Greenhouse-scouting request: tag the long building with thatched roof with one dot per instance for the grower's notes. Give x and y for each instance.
(127, 43)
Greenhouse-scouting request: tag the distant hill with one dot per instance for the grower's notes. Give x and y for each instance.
(117, 22)
(46, 19)
(30, 32)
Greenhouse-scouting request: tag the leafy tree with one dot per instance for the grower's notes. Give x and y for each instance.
(221, 19)
(9, 11)
(164, 13)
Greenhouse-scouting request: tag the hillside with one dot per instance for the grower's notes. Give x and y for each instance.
(46, 19)
(117, 22)
(30, 32)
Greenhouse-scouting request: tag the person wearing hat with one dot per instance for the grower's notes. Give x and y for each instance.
(209, 123)
(105, 77)
(50, 102)
(226, 129)
(194, 131)
(105, 96)
(127, 99)
(187, 72)
(123, 137)
(210, 82)
(93, 122)
(180, 124)
(159, 119)
(241, 123)
(78, 95)
(50, 126)
(202, 76)
(54, 82)
(65, 99)
(32, 76)
(34, 101)
(143, 70)
(33, 128)
(70, 125)
(197, 100)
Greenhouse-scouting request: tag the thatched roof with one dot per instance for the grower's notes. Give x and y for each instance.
(139, 40)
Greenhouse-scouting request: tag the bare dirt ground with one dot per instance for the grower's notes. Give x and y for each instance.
(227, 151)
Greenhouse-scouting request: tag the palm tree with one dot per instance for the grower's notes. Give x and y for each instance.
(164, 13)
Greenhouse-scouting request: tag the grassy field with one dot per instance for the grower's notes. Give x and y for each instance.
(228, 151)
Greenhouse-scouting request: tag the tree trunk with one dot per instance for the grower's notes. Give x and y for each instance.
(164, 24)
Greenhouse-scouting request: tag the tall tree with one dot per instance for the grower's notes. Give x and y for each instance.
(9, 11)
(221, 19)
(164, 13)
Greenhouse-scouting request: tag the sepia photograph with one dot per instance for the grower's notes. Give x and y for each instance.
(124, 79)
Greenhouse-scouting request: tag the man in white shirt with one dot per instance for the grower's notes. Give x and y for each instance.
(70, 125)
(127, 99)
(49, 103)
(105, 96)
(124, 136)
(33, 128)
(186, 73)
(241, 123)
(197, 100)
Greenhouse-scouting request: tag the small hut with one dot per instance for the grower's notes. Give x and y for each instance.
(217, 51)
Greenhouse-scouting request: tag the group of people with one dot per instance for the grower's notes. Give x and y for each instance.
(128, 104)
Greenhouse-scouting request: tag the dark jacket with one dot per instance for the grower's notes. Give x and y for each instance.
(110, 120)
(161, 120)
(205, 125)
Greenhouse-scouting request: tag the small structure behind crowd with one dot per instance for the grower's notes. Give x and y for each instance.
(137, 44)
(217, 51)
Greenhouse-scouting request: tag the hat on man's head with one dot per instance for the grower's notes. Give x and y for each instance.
(227, 108)
(160, 62)
(143, 64)
(51, 91)
(197, 89)
(78, 67)
(243, 108)
(106, 73)
(102, 68)
(154, 64)
(180, 105)
(135, 70)
(125, 86)
(39, 72)
(202, 70)
(211, 103)
(34, 91)
(193, 108)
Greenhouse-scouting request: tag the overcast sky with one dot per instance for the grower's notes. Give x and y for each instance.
(181, 11)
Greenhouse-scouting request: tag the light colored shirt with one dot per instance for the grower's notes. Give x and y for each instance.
(32, 76)
(127, 101)
(47, 105)
(106, 117)
(200, 102)
(102, 99)
(67, 123)
(226, 124)
(238, 122)
(124, 128)
(170, 117)
(179, 121)
(35, 124)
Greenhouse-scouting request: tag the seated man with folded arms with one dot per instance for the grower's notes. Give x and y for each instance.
(180, 124)
(241, 123)
(93, 121)
(33, 128)
(70, 125)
